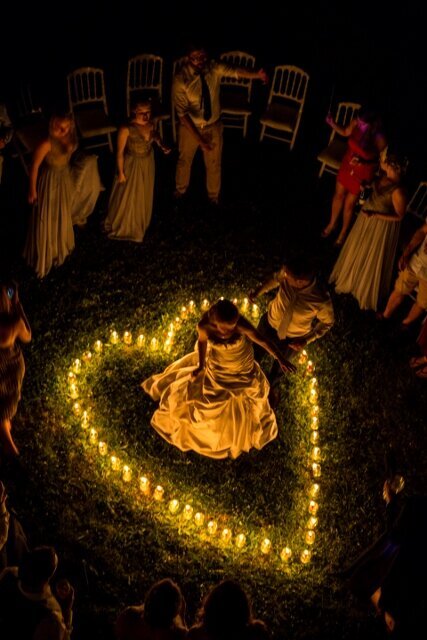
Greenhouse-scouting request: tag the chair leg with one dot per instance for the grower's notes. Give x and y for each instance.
(262, 133)
(322, 168)
(245, 126)
(110, 142)
(161, 129)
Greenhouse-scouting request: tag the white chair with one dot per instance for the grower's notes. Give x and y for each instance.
(331, 157)
(282, 117)
(236, 92)
(88, 103)
(145, 81)
(176, 68)
(418, 203)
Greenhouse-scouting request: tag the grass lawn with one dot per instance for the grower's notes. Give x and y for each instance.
(113, 542)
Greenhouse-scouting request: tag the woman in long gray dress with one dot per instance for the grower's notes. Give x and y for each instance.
(131, 200)
(365, 264)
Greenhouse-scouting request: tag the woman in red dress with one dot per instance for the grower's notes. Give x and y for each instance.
(365, 143)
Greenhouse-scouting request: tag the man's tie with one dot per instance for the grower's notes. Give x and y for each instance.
(205, 102)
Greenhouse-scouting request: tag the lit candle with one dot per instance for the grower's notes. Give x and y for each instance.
(127, 473)
(173, 506)
(153, 344)
(98, 346)
(171, 328)
(305, 556)
(114, 337)
(266, 546)
(314, 490)
(310, 366)
(314, 423)
(87, 356)
(315, 453)
(286, 554)
(127, 337)
(255, 311)
(310, 536)
(85, 420)
(167, 345)
(159, 492)
(77, 408)
(212, 527)
(140, 340)
(183, 312)
(187, 512)
(226, 535)
(303, 357)
(313, 396)
(191, 306)
(313, 382)
(317, 470)
(235, 301)
(240, 540)
(314, 410)
(115, 463)
(144, 485)
(93, 436)
(314, 437)
(205, 304)
(103, 449)
(313, 507)
(312, 522)
(74, 392)
(77, 365)
(199, 519)
(245, 304)
(71, 377)
(177, 320)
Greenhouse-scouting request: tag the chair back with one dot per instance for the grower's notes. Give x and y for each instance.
(418, 203)
(176, 68)
(289, 82)
(86, 86)
(346, 111)
(238, 59)
(144, 78)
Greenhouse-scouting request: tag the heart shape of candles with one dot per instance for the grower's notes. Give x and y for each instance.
(156, 493)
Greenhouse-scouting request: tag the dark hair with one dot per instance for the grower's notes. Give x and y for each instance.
(226, 610)
(37, 566)
(162, 603)
(225, 311)
(300, 267)
(369, 115)
(194, 45)
(396, 158)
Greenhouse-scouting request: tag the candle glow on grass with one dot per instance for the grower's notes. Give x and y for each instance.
(154, 492)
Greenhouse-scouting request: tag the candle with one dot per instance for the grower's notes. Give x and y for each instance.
(255, 311)
(313, 382)
(115, 463)
(103, 449)
(226, 535)
(314, 410)
(286, 554)
(77, 408)
(314, 490)
(71, 377)
(240, 540)
(266, 546)
(74, 392)
(127, 473)
(310, 366)
(313, 507)
(314, 423)
(191, 306)
(85, 420)
(98, 346)
(316, 468)
(87, 356)
(187, 512)
(127, 337)
(173, 506)
(212, 527)
(153, 344)
(305, 556)
(245, 304)
(235, 301)
(312, 522)
(310, 537)
(313, 396)
(205, 304)
(303, 357)
(140, 340)
(114, 337)
(314, 437)
(144, 485)
(183, 312)
(93, 436)
(159, 492)
(315, 454)
(199, 519)
(77, 365)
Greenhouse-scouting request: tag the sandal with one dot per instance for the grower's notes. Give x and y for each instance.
(422, 373)
(417, 361)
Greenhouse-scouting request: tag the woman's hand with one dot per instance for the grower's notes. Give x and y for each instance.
(329, 120)
(32, 197)
(403, 261)
(196, 372)
(121, 178)
(286, 366)
(166, 150)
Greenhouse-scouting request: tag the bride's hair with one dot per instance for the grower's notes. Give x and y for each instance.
(224, 311)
